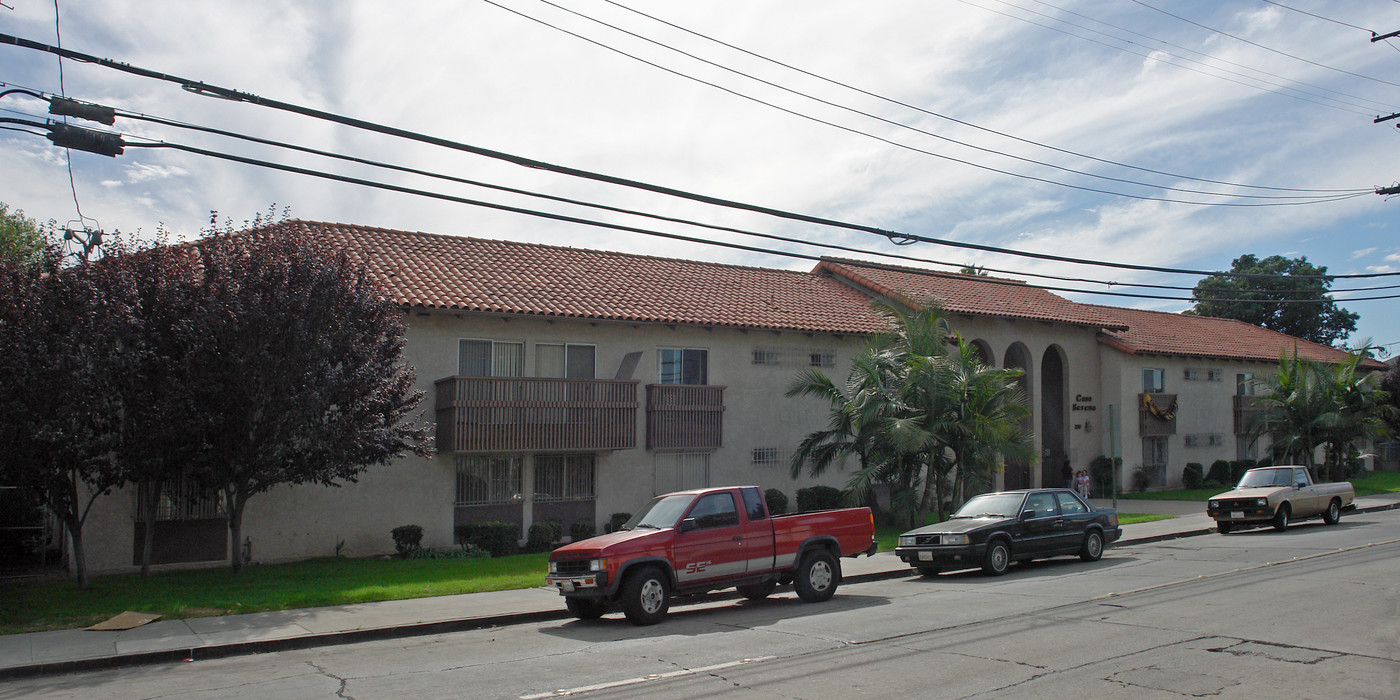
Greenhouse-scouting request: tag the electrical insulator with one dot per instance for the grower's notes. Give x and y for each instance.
(66, 107)
(101, 143)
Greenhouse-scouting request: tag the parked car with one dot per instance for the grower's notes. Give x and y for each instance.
(994, 529)
(1278, 496)
(710, 539)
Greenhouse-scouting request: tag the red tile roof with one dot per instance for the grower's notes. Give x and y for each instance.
(971, 294)
(458, 272)
(1160, 333)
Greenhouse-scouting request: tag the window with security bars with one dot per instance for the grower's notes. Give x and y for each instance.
(767, 456)
(789, 356)
(181, 498)
(565, 477)
(487, 480)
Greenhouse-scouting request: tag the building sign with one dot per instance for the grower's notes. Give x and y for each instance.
(1083, 403)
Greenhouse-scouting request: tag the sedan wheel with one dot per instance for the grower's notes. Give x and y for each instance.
(998, 558)
(1093, 546)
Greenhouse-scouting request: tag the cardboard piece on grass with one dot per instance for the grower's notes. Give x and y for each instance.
(125, 621)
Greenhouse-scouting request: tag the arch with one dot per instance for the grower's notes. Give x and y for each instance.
(984, 351)
(1017, 474)
(1054, 423)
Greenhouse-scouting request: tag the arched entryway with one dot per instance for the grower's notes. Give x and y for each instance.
(1054, 438)
(984, 351)
(1018, 472)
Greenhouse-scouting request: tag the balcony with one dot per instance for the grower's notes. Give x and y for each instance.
(532, 414)
(1156, 415)
(685, 417)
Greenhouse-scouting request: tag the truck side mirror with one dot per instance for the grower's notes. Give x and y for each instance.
(688, 524)
(1027, 514)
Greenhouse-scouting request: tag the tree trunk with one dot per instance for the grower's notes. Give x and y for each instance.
(75, 536)
(235, 502)
(149, 525)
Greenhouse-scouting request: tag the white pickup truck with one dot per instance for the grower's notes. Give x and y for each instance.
(1277, 496)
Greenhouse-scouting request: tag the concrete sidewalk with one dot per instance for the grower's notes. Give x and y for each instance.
(200, 638)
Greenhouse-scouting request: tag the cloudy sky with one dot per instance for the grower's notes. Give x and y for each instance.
(1144, 133)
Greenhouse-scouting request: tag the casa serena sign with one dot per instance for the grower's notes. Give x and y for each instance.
(1083, 403)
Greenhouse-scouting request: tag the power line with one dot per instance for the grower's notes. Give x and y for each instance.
(630, 212)
(202, 88)
(1033, 178)
(1325, 19)
(1261, 46)
(870, 115)
(954, 119)
(649, 232)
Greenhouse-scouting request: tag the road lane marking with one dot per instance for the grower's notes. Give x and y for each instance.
(644, 679)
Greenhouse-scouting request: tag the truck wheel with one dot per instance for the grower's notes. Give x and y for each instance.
(1223, 528)
(817, 577)
(1093, 546)
(586, 608)
(1333, 514)
(928, 570)
(1281, 518)
(998, 558)
(758, 591)
(646, 595)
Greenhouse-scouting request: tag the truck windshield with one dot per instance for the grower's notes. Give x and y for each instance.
(1255, 478)
(663, 511)
(1003, 505)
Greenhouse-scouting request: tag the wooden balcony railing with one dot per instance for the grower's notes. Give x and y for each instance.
(1156, 415)
(510, 414)
(684, 417)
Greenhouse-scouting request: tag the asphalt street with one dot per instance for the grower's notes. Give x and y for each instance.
(1306, 613)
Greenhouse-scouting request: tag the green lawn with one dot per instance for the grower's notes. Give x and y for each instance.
(1373, 483)
(330, 581)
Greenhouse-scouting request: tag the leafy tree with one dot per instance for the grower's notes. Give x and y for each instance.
(22, 240)
(1292, 299)
(302, 378)
(61, 355)
(1313, 405)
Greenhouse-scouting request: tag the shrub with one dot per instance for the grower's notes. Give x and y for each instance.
(1101, 474)
(496, 538)
(1219, 472)
(1239, 467)
(819, 498)
(431, 553)
(616, 521)
(540, 537)
(1142, 478)
(777, 501)
(406, 538)
(1193, 477)
(581, 529)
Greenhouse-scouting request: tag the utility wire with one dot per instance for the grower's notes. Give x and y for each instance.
(202, 88)
(868, 114)
(954, 119)
(1325, 19)
(1261, 46)
(1033, 178)
(688, 222)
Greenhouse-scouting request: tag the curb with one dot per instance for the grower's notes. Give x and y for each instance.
(220, 651)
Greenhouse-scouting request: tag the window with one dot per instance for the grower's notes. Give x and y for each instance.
(765, 356)
(821, 359)
(490, 358)
(715, 510)
(1215, 375)
(1152, 381)
(1244, 384)
(754, 504)
(564, 360)
(488, 480)
(680, 471)
(1154, 451)
(1215, 439)
(181, 498)
(683, 366)
(564, 477)
(1191, 440)
(767, 456)
(1188, 374)
(1042, 503)
(1069, 505)
(1245, 448)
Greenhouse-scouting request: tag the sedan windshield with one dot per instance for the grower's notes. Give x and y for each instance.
(663, 511)
(1266, 477)
(991, 505)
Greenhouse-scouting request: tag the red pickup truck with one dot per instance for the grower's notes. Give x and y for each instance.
(691, 542)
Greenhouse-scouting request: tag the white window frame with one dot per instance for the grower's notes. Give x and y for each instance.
(494, 369)
(1149, 387)
(661, 363)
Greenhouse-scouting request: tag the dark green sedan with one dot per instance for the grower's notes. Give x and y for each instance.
(994, 529)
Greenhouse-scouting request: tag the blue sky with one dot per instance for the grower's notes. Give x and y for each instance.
(1286, 102)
